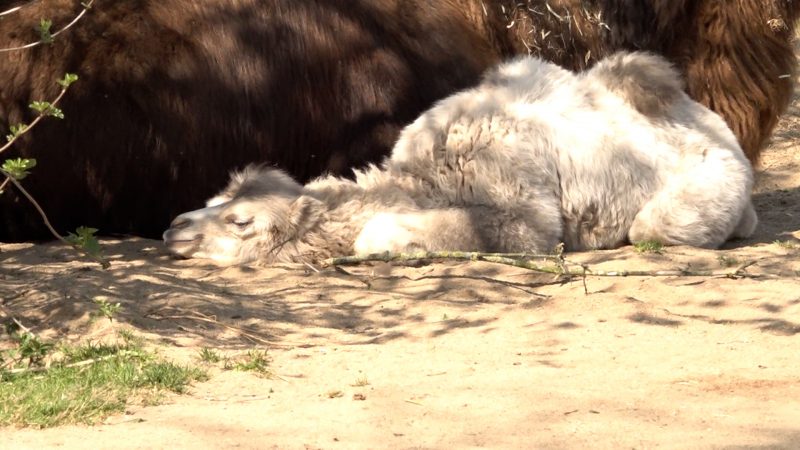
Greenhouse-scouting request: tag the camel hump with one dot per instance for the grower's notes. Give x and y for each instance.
(648, 82)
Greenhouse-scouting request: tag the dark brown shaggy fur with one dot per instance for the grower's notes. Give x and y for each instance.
(174, 93)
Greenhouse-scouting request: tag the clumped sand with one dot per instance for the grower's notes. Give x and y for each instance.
(451, 354)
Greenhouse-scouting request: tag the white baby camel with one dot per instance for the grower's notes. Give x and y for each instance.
(533, 156)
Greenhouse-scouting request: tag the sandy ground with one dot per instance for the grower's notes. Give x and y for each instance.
(451, 355)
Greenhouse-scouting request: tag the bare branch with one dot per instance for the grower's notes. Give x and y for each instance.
(86, 7)
(560, 268)
(35, 121)
(102, 261)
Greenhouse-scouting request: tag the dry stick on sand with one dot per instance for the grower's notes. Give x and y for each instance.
(560, 268)
(86, 7)
(208, 319)
(85, 362)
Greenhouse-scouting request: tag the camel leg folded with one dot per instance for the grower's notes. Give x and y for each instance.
(703, 204)
(475, 228)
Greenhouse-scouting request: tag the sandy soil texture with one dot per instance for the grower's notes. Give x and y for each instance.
(452, 355)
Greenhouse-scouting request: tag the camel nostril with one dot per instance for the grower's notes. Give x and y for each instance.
(180, 222)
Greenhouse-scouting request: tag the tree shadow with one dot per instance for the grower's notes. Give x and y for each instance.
(235, 306)
(778, 214)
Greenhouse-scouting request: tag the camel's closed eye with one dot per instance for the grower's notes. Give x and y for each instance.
(238, 221)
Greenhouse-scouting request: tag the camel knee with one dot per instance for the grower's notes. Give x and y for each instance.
(386, 232)
(747, 224)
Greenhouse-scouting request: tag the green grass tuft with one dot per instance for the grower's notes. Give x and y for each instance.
(789, 245)
(253, 361)
(209, 355)
(649, 247)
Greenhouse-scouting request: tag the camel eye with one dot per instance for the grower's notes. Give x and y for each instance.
(239, 222)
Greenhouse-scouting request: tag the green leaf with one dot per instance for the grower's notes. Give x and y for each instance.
(46, 109)
(68, 79)
(19, 168)
(44, 31)
(32, 348)
(85, 238)
(16, 130)
(39, 107)
(55, 112)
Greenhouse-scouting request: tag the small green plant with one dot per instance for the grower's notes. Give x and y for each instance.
(106, 309)
(253, 361)
(33, 349)
(649, 247)
(16, 130)
(84, 237)
(361, 382)
(68, 79)
(727, 261)
(46, 109)
(789, 245)
(19, 168)
(209, 355)
(14, 170)
(44, 31)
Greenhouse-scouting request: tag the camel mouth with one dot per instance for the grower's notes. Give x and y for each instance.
(180, 241)
(180, 245)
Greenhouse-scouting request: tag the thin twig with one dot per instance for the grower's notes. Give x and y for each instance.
(10, 178)
(306, 263)
(86, 7)
(42, 114)
(102, 261)
(17, 322)
(451, 255)
(9, 11)
(85, 362)
(526, 261)
(203, 318)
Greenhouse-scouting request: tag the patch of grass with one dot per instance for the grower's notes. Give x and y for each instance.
(649, 247)
(209, 355)
(169, 376)
(106, 309)
(30, 347)
(360, 382)
(789, 245)
(130, 338)
(88, 383)
(727, 261)
(252, 361)
(93, 350)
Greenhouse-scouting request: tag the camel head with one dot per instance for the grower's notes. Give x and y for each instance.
(256, 217)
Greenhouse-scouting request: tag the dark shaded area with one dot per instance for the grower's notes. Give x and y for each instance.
(158, 298)
(174, 94)
(778, 216)
(650, 319)
(778, 439)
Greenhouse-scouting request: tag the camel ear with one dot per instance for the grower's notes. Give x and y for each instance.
(304, 213)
